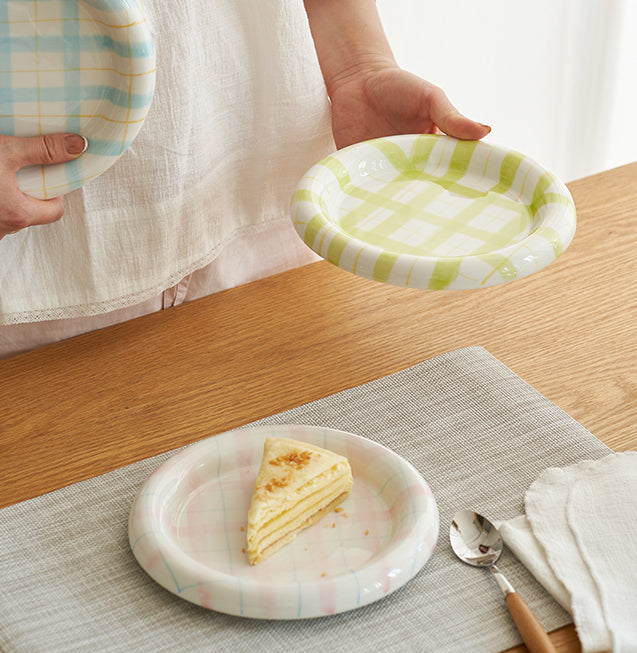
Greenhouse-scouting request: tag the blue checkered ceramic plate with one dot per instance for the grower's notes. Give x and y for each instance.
(429, 211)
(80, 66)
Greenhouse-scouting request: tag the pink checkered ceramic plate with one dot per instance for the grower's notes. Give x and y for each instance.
(187, 529)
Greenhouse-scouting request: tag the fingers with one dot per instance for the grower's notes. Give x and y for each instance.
(20, 211)
(17, 210)
(46, 149)
(464, 128)
(450, 121)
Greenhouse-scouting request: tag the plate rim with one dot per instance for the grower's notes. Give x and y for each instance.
(420, 550)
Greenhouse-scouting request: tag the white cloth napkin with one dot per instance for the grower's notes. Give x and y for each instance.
(579, 539)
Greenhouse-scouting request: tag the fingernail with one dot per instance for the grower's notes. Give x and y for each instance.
(486, 126)
(75, 144)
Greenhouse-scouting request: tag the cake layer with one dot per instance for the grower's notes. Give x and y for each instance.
(262, 553)
(292, 519)
(297, 484)
(268, 506)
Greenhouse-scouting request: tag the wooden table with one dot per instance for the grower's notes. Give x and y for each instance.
(97, 402)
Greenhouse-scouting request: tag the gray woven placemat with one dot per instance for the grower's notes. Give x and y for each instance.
(478, 434)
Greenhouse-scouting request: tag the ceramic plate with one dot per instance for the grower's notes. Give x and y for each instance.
(430, 211)
(80, 66)
(187, 529)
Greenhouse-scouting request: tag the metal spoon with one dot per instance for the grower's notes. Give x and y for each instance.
(476, 541)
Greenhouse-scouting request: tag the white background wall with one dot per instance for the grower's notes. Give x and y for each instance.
(556, 79)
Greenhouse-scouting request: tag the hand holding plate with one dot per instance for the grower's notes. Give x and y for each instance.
(17, 209)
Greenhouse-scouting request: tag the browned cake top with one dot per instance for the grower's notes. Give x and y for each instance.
(293, 459)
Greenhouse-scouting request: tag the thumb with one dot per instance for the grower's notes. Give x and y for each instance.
(459, 126)
(46, 149)
(450, 121)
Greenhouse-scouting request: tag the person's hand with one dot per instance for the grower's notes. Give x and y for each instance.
(17, 210)
(371, 95)
(388, 100)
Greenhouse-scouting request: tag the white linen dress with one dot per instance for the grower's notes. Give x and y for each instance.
(200, 201)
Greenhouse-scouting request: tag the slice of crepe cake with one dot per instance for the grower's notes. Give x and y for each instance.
(297, 484)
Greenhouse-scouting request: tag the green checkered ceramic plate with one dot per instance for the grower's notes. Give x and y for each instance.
(80, 66)
(429, 211)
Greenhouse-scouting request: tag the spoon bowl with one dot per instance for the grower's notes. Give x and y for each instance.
(476, 541)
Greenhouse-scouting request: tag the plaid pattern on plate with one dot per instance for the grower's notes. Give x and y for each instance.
(80, 66)
(430, 211)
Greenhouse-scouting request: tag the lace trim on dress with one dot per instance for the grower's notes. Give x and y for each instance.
(97, 308)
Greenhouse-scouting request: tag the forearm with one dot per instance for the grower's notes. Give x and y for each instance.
(348, 36)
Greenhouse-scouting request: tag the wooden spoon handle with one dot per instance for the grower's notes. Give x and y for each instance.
(529, 627)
